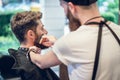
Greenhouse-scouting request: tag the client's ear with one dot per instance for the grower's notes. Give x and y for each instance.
(30, 34)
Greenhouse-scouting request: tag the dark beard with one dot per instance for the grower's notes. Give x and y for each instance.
(37, 44)
(74, 23)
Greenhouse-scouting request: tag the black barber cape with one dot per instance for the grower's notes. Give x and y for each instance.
(27, 70)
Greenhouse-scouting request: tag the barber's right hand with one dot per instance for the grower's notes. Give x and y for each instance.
(47, 40)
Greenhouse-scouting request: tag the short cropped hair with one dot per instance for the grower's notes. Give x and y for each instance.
(24, 21)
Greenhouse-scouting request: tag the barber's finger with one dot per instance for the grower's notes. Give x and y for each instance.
(48, 44)
(51, 38)
(44, 39)
(32, 48)
(35, 49)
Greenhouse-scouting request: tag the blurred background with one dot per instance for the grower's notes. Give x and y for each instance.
(53, 18)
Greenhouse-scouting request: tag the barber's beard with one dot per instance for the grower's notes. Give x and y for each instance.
(74, 23)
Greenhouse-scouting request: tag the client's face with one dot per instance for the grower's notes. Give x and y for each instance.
(38, 34)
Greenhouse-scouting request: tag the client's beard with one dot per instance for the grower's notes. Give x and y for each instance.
(74, 23)
(37, 44)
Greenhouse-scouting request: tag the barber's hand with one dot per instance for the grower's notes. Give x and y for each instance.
(35, 49)
(47, 40)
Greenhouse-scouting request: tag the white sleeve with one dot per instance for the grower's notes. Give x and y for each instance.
(61, 50)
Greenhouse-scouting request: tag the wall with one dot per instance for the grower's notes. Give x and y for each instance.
(53, 17)
(54, 20)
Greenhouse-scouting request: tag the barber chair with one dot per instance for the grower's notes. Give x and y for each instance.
(6, 63)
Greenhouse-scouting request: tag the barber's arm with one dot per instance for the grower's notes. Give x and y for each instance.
(44, 61)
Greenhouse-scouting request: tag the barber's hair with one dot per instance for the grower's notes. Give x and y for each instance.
(24, 21)
(82, 2)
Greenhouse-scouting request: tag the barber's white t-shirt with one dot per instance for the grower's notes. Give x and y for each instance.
(77, 50)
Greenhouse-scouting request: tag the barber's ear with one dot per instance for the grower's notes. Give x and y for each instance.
(71, 7)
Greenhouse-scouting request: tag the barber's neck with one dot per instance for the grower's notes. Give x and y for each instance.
(84, 19)
(85, 15)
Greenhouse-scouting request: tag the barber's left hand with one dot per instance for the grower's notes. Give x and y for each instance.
(35, 49)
